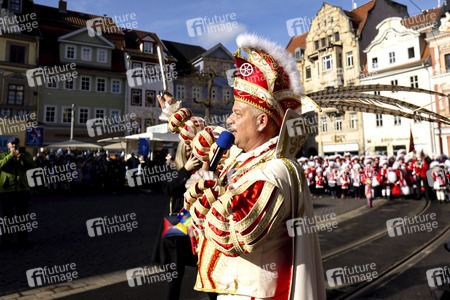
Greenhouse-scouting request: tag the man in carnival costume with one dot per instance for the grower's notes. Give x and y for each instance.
(249, 217)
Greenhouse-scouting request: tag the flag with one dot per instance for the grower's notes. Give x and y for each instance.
(411, 140)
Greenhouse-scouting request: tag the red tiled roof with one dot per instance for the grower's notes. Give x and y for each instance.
(297, 42)
(422, 20)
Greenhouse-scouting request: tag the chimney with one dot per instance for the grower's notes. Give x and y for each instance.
(62, 6)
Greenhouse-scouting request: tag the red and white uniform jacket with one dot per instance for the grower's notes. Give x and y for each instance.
(367, 175)
(383, 175)
(440, 178)
(344, 181)
(320, 180)
(248, 219)
(356, 178)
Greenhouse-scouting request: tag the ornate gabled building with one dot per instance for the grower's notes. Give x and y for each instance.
(398, 55)
(333, 57)
(71, 45)
(439, 40)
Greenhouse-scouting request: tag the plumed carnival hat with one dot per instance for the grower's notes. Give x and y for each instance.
(268, 79)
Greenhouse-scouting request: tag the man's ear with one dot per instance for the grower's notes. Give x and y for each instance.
(262, 121)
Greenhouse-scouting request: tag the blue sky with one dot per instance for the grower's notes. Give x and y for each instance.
(168, 18)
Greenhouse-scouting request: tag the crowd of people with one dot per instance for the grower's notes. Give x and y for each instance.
(403, 176)
(96, 172)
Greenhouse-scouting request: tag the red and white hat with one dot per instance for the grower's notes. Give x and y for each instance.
(268, 79)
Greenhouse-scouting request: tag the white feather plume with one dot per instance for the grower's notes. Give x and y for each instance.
(285, 59)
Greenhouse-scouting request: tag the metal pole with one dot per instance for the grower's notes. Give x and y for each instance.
(72, 120)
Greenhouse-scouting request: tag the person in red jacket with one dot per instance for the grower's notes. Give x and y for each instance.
(421, 180)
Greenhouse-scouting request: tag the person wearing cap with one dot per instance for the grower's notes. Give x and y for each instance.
(247, 217)
(320, 181)
(332, 175)
(345, 180)
(439, 182)
(423, 163)
(14, 188)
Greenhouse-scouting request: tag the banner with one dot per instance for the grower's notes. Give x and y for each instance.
(144, 147)
(35, 137)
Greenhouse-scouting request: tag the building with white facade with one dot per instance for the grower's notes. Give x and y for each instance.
(398, 56)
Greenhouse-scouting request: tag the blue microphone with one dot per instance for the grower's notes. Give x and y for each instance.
(224, 142)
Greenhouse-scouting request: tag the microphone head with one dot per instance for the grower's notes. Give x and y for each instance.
(225, 140)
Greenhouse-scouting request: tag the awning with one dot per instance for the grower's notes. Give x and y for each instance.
(155, 137)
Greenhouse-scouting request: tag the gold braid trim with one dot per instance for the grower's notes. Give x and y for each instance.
(270, 214)
(198, 205)
(257, 106)
(256, 210)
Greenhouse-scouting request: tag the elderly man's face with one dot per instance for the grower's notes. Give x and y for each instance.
(244, 126)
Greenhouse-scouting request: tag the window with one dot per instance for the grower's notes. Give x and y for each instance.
(397, 120)
(394, 82)
(411, 52)
(414, 81)
(116, 86)
(447, 63)
(14, 5)
(101, 85)
(148, 47)
(298, 53)
(380, 150)
(323, 42)
(330, 40)
(71, 52)
(353, 120)
(316, 44)
(15, 94)
(391, 57)
(136, 97)
(99, 113)
(349, 59)
(396, 148)
(50, 114)
(327, 63)
(379, 119)
(375, 62)
(52, 83)
(323, 122)
(226, 94)
(337, 37)
(83, 115)
(16, 54)
(69, 85)
(150, 97)
(66, 115)
(214, 94)
(196, 93)
(340, 60)
(308, 72)
(136, 129)
(86, 53)
(115, 116)
(85, 83)
(180, 92)
(338, 123)
(102, 56)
